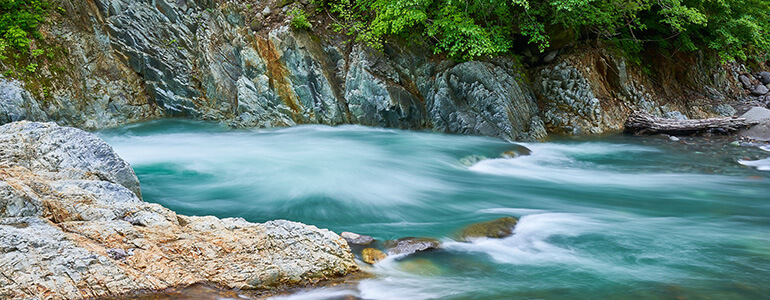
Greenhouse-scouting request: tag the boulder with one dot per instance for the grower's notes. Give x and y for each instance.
(759, 90)
(72, 226)
(745, 81)
(372, 256)
(356, 239)
(499, 228)
(760, 131)
(764, 77)
(409, 245)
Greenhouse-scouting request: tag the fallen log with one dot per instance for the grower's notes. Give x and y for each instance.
(640, 122)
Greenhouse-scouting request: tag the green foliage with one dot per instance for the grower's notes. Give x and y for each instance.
(19, 20)
(299, 19)
(736, 29)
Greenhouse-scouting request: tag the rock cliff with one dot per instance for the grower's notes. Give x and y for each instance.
(240, 63)
(72, 225)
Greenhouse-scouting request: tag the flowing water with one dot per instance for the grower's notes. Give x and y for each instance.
(616, 217)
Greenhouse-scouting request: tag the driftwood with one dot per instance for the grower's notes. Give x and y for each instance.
(640, 122)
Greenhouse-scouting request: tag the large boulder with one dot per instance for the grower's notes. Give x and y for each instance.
(760, 131)
(72, 226)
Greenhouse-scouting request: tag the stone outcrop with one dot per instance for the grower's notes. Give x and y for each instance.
(239, 63)
(591, 90)
(72, 225)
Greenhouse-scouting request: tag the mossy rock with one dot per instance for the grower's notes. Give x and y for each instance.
(516, 152)
(372, 256)
(499, 228)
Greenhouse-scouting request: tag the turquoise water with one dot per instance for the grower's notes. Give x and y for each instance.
(616, 217)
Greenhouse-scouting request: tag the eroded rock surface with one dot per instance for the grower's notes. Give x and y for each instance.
(72, 226)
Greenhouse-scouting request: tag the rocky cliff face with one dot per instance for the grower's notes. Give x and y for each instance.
(220, 60)
(72, 225)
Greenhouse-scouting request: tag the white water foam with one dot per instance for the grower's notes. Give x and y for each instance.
(564, 164)
(318, 294)
(281, 167)
(761, 164)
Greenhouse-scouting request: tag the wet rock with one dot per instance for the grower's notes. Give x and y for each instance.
(519, 151)
(71, 192)
(409, 245)
(764, 77)
(357, 239)
(673, 138)
(471, 160)
(422, 266)
(499, 228)
(372, 256)
(759, 90)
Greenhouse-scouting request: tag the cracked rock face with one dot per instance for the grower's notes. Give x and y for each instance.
(72, 226)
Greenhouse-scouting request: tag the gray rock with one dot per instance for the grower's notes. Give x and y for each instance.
(764, 77)
(409, 245)
(483, 99)
(73, 153)
(17, 104)
(745, 81)
(266, 11)
(356, 239)
(676, 115)
(550, 56)
(759, 90)
(760, 131)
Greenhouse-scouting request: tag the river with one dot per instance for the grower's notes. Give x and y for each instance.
(616, 216)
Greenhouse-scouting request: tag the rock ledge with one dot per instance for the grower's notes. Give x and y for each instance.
(73, 225)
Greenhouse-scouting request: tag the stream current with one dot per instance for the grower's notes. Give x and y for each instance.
(617, 217)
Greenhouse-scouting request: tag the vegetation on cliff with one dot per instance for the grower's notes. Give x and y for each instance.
(735, 29)
(19, 20)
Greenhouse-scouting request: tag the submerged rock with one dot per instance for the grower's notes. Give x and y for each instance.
(471, 159)
(499, 228)
(516, 152)
(72, 226)
(372, 256)
(409, 245)
(356, 239)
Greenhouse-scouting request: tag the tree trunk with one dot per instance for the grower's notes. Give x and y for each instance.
(640, 122)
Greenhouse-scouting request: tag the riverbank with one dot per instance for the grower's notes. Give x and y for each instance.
(73, 225)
